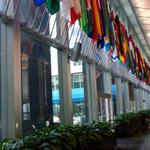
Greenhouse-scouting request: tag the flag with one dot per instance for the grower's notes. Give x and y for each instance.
(71, 10)
(125, 44)
(118, 38)
(86, 18)
(53, 6)
(132, 51)
(111, 29)
(97, 22)
(101, 41)
(39, 2)
(103, 16)
(107, 45)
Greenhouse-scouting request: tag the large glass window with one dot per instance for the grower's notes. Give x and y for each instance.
(78, 92)
(124, 96)
(55, 85)
(99, 81)
(36, 83)
(114, 97)
(77, 80)
(131, 95)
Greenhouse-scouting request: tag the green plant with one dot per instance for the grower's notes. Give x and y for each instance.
(95, 135)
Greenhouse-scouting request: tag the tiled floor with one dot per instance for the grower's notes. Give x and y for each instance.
(134, 143)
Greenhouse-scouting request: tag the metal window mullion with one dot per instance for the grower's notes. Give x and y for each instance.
(56, 19)
(28, 13)
(42, 20)
(15, 12)
(7, 7)
(35, 16)
(47, 25)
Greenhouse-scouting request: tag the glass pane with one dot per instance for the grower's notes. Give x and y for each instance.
(75, 77)
(55, 89)
(76, 84)
(123, 95)
(114, 96)
(78, 97)
(36, 83)
(99, 81)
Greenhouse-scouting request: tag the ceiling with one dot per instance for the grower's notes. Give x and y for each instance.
(142, 10)
(136, 16)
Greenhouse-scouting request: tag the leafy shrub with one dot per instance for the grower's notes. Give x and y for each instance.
(62, 138)
(95, 135)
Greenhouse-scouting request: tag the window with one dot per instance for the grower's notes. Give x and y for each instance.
(35, 84)
(77, 80)
(78, 92)
(131, 91)
(78, 63)
(55, 83)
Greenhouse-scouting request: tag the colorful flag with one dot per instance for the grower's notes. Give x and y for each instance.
(97, 22)
(101, 42)
(111, 29)
(118, 38)
(53, 6)
(39, 2)
(86, 18)
(71, 10)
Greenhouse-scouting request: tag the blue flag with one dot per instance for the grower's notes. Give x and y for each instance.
(39, 2)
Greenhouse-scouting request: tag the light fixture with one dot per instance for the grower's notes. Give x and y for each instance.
(148, 34)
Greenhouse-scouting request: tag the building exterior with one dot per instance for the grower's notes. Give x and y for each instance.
(39, 82)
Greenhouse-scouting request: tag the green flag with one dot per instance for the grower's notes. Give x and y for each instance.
(86, 20)
(53, 6)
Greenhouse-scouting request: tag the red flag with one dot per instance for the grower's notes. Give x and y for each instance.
(71, 10)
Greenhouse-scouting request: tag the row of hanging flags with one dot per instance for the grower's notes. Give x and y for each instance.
(103, 26)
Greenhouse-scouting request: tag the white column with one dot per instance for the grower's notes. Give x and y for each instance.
(107, 82)
(126, 96)
(66, 114)
(119, 97)
(11, 81)
(91, 92)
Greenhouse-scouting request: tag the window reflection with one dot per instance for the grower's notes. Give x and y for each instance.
(78, 92)
(55, 85)
(36, 83)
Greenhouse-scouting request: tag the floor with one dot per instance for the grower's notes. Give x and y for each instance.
(134, 143)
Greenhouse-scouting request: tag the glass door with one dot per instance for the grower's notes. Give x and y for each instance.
(104, 107)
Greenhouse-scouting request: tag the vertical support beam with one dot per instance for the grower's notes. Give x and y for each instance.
(94, 91)
(11, 81)
(140, 98)
(119, 97)
(3, 78)
(88, 93)
(136, 95)
(146, 99)
(107, 82)
(91, 92)
(66, 113)
(126, 96)
(143, 99)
